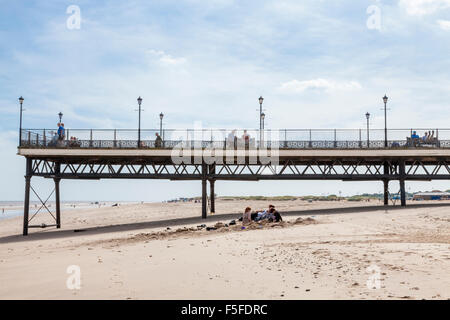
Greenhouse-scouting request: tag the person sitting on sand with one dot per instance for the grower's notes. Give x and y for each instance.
(246, 217)
(276, 215)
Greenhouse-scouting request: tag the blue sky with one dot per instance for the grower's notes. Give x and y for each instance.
(316, 63)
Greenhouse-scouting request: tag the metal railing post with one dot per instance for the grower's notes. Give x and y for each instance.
(438, 144)
(187, 137)
(335, 142)
(90, 139)
(115, 138)
(45, 139)
(310, 137)
(360, 142)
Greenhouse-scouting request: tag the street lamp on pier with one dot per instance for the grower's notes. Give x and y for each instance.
(21, 99)
(261, 99)
(385, 100)
(139, 100)
(60, 115)
(263, 116)
(367, 117)
(161, 116)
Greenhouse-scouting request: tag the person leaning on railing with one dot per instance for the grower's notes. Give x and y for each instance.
(246, 138)
(232, 139)
(413, 140)
(74, 142)
(158, 141)
(53, 142)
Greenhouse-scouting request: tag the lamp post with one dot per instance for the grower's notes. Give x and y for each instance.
(263, 115)
(385, 100)
(21, 99)
(139, 100)
(367, 117)
(60, 115)
(261, 99)
(161, 116)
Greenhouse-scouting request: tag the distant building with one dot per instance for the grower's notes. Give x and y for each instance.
(432, 196)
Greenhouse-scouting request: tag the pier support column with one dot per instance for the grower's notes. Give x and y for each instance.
(212, 171)
(57, 198)
(26, 204)
(402, 193)
(386, 192)
(57, 203)
(204, 191)
(386, 184)
(213, 198)
(402, 184)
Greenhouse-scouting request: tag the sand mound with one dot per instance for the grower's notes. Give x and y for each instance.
(203, 229)
(304, 221)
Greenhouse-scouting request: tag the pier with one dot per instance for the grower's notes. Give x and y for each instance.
(207, 155)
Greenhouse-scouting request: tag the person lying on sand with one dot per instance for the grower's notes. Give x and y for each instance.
(263, 215)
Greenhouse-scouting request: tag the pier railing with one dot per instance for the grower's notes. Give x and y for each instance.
(220, 138)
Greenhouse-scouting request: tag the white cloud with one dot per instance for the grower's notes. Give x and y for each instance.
(318, 84)
(423, 7)
(165, 58)
(444, 24)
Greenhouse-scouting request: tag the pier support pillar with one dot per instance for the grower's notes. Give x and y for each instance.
(213, 197)
(212, 171)
(402, 193)
(57, 203)
(26, 204)
(386, 184)
(204, 191)
(57, 198)
(402, 184)
(386, 192)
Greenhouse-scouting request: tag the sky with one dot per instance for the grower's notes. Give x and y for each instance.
(317, 63)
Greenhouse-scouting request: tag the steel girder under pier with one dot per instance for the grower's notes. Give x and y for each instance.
(347, 169)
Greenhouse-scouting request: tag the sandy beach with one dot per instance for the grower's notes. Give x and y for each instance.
(336, 250)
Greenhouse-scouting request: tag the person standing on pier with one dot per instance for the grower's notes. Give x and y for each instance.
(61, 131)
(158, 141)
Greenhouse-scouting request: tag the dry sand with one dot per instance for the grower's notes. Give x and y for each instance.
(127, 252)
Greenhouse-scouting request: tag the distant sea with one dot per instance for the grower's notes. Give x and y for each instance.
(11, 209)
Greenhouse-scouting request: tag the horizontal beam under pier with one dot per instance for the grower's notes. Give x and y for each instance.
(248, 177)
(65, 153)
